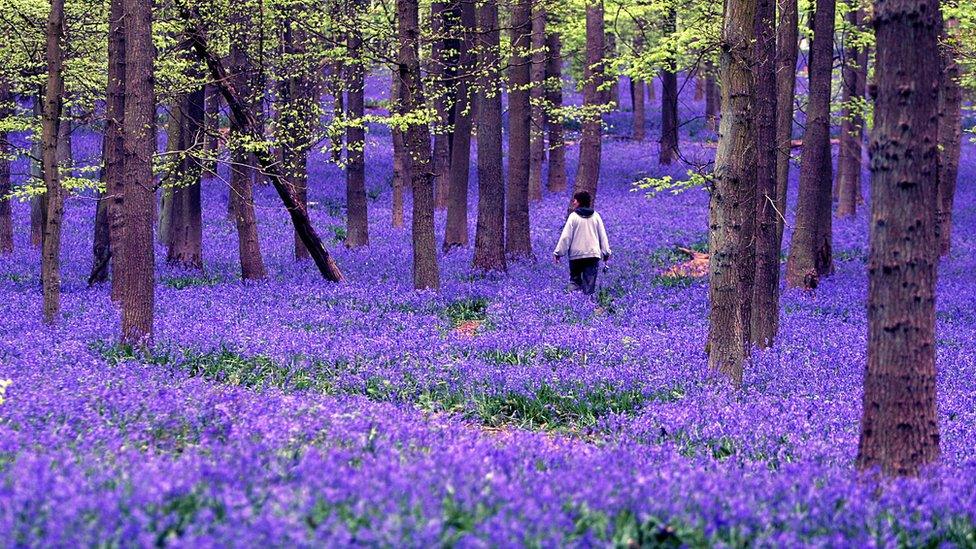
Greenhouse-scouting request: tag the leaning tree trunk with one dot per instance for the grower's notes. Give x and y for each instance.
(950, 120)
(669, 99)
(537, 95)
(732, 207)
(765, 301)
(50, 134)
(186, 213)
(518, 243)
(787, 52)
(899, 425)
(138, 199)
(590, 148)
(6, 217)
(556, 176)
(810, 250)
(357, 219)
(456, 231)
(489, 240)
(852, 125)
(401, 162)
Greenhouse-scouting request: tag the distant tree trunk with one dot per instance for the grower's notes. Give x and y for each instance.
(950, 138)
(900, 426)
(765, 302)
(357, 219)
(787, 52)
(212, 139)
(6, 217)
(699, 85)
(51, 139)
(138, 138)
(556, 176)
(114, 150)
(174, 144)
(652, 92)
(186, 221)
(248, 241)
(401, 162)
(669, 99)
(588, 175)
(810, 251)
(613, 79)
(456, 232)
(711, 97)
(417, 141)
(637, 89)
(732, 207)
(517, 242)
(38, 203)
(537, 94)
(852, 125)
(443, 69)
(489, 242)
(101, 243)
(65, 140)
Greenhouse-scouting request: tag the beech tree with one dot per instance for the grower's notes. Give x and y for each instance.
(54, 195)
(357, 218)
(6, 218)
(517, 241)
(556, 176)
(456, 231)
(787, 53)
(669, 96)
(537, 98)
(855, 74)
(950, 130)
(588, 174)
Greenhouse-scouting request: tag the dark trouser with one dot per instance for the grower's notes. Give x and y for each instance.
(583, 273)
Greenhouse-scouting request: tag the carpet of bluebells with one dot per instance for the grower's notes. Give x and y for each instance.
(500, 411)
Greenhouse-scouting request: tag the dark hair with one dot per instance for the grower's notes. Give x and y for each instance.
(584, 199)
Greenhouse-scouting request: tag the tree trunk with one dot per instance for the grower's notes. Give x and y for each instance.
(50, 139)
(588, 175)
(489, 240)
(401, 162)
(669, 99)
(101, 243)
(810, 250)
(765, 301)
(637, 90)
(38, 203)
(613, 79)
(899, 426)
(212, 118)
(517, 241)
(732, 207)
(186, 218)
(787, 52)
(537, 94)
(556, 176)
(443, 70)
(417, 141)
(852, 125)
(711, 97)
(138, 198)
(114, 151)
(950, 138)
(174, 144)
(357, 219)
(456, 232)
(6, 216)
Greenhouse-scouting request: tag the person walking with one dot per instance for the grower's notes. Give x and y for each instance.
(584, 240)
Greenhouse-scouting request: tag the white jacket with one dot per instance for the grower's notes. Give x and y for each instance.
(583, 236)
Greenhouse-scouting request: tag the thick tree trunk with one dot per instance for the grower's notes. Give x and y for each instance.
(417, 141)
(810, 250)
(6, 216)
(950, 138)
(357, 219)
(537, 94)
(456, 232)
(489, 241)
(50, 139)
(852, 125)
(899, 426)
(787, 52)
(138, 198)
(186, 218)
(556, 176)
(669, 99)
(517, 241)
(765, 302)
(732, 208)
(401, 162)
(588, 175)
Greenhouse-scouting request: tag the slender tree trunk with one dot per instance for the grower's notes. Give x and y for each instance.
(114, 151)
(637, 90)
(443, 65)
(669, 99)
(787, 52)
(401, 162)
(38, 203)
(138, 200)
(899, 426)
(6, 217)
(537, 94)
(489, 243)
(186, 221)
(613, 79)
(652, 92)
(810, 251)
(852, 126)
(765, 302)
(417, 141)
(699, 85)
(212, 139)
(556, 176)
(588, 174)
(357, 219)
(101, 244)
(732, 207)
(950, 138)
(517, 242)
(456, 232)
(174, 144)
(51, 123)
(711, 97)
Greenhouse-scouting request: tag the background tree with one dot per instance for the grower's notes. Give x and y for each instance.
(588, 174)
(51, 245)
(855, 72)
(517, 241)
(787, 54)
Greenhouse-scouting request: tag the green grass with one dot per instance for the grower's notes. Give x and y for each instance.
(190, 281)
(466, 310)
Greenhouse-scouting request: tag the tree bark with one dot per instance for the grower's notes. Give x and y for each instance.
(556, 175)
(456, 231)
(489, 242)
(443, 70)
(810, 251)
(588, 175)
(38, 204)
(669, 99)
(899, 426)
(212, 124)
(711, 97)
(114, 151)
(732, 207)
(637, 91)
(517, 241)
(787, 52)
(537, 94)
(401, 162)
(852, 126)
(6, 215)
(950, 139)
(50, 139)
(613, 79)
(101, 244)
(138, 198)
(186, 221)
(357, 218)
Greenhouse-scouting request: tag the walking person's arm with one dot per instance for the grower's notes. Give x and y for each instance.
(565, 239)
(604, 241)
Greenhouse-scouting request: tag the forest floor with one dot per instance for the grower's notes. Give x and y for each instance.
(295, 411)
